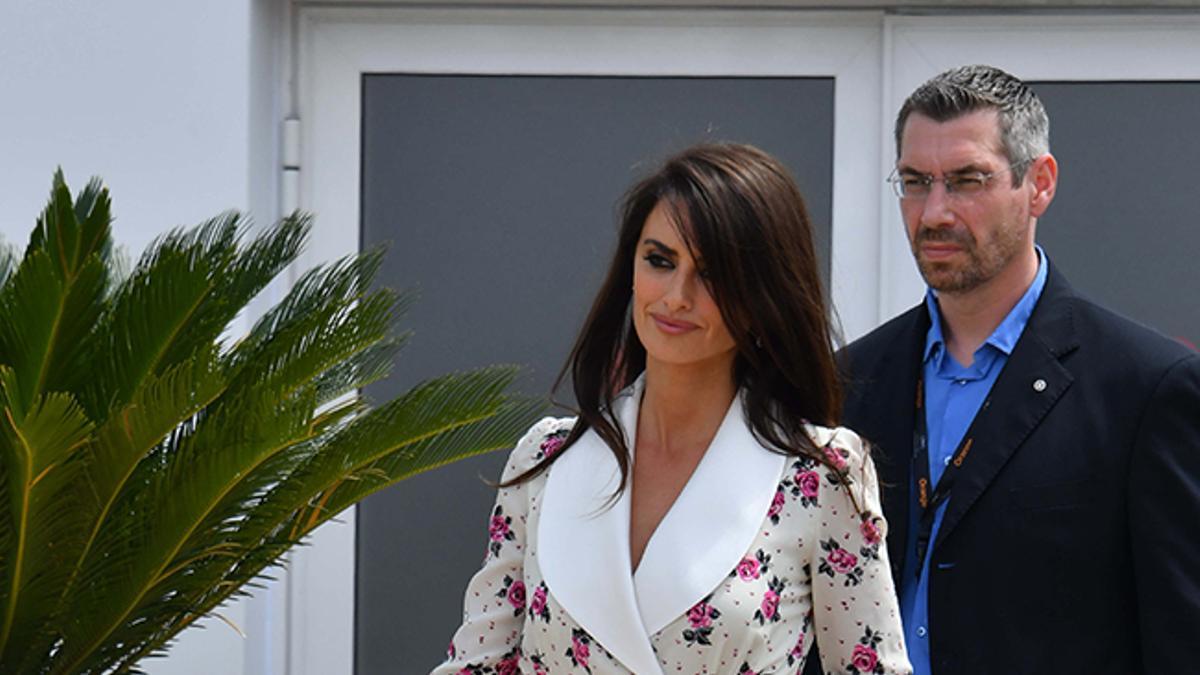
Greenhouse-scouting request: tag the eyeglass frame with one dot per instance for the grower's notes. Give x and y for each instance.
(984, 177)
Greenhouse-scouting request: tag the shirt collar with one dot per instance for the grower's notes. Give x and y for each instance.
(1005, 337)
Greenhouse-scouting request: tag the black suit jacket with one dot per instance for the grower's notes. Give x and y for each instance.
(1071, 541)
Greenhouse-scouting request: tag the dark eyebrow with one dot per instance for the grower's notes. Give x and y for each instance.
(669, 252)
(662, 248)
(969, 168)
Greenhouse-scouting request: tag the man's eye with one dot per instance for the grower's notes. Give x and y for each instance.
(914, 184)
(971, 182)
(658, 261)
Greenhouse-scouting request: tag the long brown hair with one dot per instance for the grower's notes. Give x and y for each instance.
(739, 210)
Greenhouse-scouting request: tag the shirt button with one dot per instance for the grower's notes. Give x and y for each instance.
(946, 462)
(921, 632)
(960, 381)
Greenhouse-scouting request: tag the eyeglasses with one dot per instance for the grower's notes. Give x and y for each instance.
(966, 184)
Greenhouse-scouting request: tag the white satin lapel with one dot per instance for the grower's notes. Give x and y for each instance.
(583, 547)
(710, 526)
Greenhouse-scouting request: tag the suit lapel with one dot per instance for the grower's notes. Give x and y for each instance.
(711, 525)
(1031, 383)
(584, 547)
(583, 544)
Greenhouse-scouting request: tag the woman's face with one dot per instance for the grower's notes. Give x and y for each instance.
(674, 315)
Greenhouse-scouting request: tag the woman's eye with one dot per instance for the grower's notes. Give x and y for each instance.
(658, 261)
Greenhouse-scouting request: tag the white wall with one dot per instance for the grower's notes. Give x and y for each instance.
(152, 96)
(174, 104)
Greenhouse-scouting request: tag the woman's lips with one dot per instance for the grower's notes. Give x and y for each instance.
(672, 326)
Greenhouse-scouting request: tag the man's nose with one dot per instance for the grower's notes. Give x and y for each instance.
(935, 210)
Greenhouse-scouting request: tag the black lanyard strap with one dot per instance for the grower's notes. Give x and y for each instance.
(927, 501)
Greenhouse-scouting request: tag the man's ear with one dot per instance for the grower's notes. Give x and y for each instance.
(1043, 173)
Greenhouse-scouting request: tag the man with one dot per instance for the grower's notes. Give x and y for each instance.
(1040, 454)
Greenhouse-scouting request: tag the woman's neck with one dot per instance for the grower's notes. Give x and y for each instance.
(683, 406)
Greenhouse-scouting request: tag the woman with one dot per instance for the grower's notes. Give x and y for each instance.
(692, 519)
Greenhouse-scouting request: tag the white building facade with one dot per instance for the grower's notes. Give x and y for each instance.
(187, 109)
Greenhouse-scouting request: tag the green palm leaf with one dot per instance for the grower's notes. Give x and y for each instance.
(152, 467)
(41, 513)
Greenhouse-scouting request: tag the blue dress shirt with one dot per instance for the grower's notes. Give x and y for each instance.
(953, 395)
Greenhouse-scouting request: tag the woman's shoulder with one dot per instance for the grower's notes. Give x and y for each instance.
(840, 437)
(543, 439)
(842, 446)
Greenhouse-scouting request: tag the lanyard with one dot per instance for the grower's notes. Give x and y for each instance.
(928, 501)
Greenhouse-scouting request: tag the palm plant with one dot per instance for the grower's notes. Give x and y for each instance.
(150, 466)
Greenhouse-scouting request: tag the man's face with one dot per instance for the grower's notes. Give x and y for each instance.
(963, 241)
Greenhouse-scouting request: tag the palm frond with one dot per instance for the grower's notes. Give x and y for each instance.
(248, 272)
(70, 231)
(150, 472)
(358, 370)
(319, 292)
(453, 428)
(425, 439)
(127, 439)
(50, 304)
(173, 500)
(153, 311)
(37, 449)
(44, 325)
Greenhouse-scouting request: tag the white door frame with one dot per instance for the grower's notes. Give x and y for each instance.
(337, 46)
(1127, 47)
(876, 59)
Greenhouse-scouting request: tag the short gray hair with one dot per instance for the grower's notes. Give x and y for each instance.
(1024, 126)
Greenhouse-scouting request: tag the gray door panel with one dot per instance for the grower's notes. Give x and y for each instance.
(496, 197)
(1124, 224)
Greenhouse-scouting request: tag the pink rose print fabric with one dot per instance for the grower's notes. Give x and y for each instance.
(552, 444)
(777, 505)
(580, 651)
(514, 592)
(836, 456)
(700, 619)
(510, 663)
(864, 658)
(747, 570)
(840, 563)
(537, 604)
(816, 572)
(753, 567)
(499, 530)
(768, 609)
(870, 531)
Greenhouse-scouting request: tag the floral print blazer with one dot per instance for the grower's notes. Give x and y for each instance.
(760, 555)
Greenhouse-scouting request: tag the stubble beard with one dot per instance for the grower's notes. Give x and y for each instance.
(983, 262)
